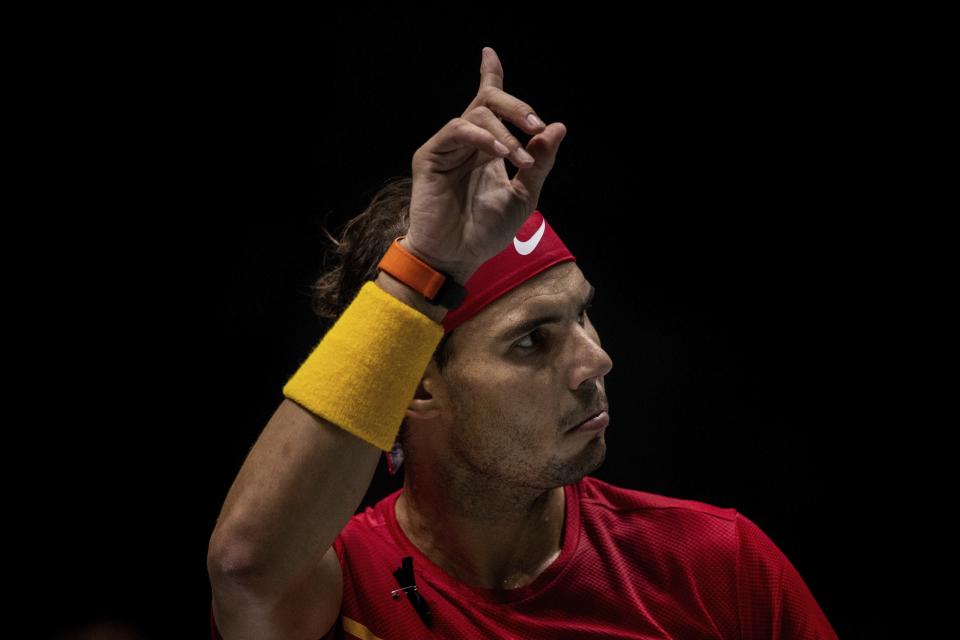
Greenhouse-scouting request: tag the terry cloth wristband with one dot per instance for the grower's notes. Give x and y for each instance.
(365, 371)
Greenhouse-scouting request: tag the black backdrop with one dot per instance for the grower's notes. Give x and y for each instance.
(709, 188)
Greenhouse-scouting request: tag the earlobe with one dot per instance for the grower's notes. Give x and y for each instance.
(422, 406)
(422, 409)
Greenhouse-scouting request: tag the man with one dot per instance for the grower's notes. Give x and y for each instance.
(498, 532)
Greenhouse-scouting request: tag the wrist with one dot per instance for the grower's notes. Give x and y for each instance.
(412, 298)
(459, 273)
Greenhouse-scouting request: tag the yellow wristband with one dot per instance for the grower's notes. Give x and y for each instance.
(365, 371)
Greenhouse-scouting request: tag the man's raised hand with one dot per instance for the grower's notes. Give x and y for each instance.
(464, 208)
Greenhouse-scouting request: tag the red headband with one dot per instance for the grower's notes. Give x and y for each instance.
(535, 248)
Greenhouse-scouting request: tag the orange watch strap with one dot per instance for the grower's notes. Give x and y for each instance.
(411, 270)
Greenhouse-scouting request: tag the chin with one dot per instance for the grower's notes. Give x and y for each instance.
(589, 459)
(599, 443)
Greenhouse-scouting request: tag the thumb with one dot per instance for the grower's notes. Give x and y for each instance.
(543, 147)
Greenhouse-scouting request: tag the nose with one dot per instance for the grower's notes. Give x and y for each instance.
(591, 361)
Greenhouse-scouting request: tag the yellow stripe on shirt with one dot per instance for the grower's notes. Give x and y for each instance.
(356, 629)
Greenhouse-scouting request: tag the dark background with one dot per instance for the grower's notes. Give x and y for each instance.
(713, 189)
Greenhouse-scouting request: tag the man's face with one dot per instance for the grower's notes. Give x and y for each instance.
(515, 392)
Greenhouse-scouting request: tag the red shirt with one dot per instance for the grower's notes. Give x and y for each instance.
(632, 565)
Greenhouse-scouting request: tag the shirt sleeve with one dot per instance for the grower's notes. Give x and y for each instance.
(774, 602)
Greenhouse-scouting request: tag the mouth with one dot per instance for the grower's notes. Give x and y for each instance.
(589, 417)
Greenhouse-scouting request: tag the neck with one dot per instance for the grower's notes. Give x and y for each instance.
(482, 533)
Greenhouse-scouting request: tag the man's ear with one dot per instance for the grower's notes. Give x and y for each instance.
(425, 404)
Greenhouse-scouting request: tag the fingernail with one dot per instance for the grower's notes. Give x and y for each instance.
(523, 156)
(535, 121)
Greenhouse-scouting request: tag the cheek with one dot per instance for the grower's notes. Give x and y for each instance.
(530, 411)
(522, 400)
(500, 412)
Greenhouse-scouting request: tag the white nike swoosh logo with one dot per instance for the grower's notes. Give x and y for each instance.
(527, 247)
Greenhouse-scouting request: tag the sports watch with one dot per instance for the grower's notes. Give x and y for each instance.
(436, 286)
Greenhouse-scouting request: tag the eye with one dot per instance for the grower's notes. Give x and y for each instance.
(587, 308)
(536, 336)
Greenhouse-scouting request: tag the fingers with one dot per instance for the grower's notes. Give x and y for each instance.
(460, 135)
(544, 149)
(491, 105)
(492, 96)
(506, 106)
(491, 72)
(480, 127)
(487, 119)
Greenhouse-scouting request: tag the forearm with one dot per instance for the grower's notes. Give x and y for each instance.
(300, 484)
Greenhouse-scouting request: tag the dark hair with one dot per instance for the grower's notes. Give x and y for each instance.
(363, 241)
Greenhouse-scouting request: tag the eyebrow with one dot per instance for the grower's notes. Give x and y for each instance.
(533, 323)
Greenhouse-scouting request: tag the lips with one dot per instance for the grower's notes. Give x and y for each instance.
(592, 415)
